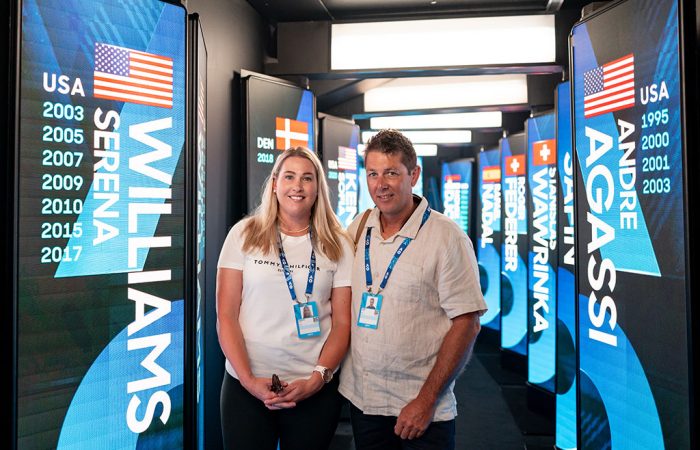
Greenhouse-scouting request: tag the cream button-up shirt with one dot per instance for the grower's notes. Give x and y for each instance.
(435, 279)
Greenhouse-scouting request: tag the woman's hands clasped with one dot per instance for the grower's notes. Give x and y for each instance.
(260, 388)
(292, 393)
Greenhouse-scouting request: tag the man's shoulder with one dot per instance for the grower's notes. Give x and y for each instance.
(352, 228)
(442, 226)
(443, 236)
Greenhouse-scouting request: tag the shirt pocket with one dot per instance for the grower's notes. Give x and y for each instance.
(408, 279)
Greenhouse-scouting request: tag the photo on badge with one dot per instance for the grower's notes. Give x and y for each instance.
(370, 308)
(306, 316)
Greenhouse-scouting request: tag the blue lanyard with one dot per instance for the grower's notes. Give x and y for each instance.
(392, 263)
(288, 275)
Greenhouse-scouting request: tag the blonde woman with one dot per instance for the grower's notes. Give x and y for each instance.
(283, 308)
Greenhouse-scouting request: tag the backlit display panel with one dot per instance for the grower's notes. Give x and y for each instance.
(565, 435)
(100, 308)
(457, 191)
(542, 249)
(630, 236)
(341, 162)
(488, 234)
(514, 258)
(278, 116)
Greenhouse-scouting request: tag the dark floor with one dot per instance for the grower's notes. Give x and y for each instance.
(496, 409)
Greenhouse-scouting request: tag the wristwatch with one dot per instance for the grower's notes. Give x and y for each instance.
(326, 373)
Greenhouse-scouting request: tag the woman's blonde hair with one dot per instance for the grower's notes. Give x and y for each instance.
(260, 232)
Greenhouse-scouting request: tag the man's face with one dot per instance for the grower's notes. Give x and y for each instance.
(389, 182)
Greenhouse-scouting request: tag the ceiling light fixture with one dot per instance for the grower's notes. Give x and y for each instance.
(485, 119)
(406, 94)
(421, 149)
(474, 41)
(426, 149)
(431, 137)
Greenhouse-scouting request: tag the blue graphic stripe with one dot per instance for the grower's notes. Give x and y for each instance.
(490, 262)
(542, 351)
(617, 398)
(619, 377)
(456, 194)
(168, 27)
(306, 114)
(96, 417)
(34, 34)
(566, 417)
(662, 209)
(542, 285)
(643, 260)
(488, 247)
(514, 324)
(490, 158)
(514, 316)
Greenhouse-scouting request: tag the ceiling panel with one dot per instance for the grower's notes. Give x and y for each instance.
(369, 9)
(342, 95)
(290, 10)
(355, 10)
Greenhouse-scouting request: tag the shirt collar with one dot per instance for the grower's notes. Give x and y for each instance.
(410, 228)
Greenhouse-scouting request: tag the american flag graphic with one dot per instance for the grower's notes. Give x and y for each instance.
(131, 76)
(290, 133)
(609, 87)
(347, 158)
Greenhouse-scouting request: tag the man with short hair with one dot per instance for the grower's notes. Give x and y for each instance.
(399, 374)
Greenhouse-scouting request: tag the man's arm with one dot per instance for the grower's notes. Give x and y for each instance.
(455, 350)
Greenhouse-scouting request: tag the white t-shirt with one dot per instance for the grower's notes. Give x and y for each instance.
(267, 309)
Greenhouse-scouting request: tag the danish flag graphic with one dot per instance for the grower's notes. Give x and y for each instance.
(290, 133)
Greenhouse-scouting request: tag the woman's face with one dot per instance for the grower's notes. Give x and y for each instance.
(296, 187)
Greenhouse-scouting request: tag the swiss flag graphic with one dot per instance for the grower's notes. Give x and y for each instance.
(544, 153)
(515, 165)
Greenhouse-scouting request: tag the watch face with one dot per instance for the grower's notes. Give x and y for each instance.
(327, 375)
